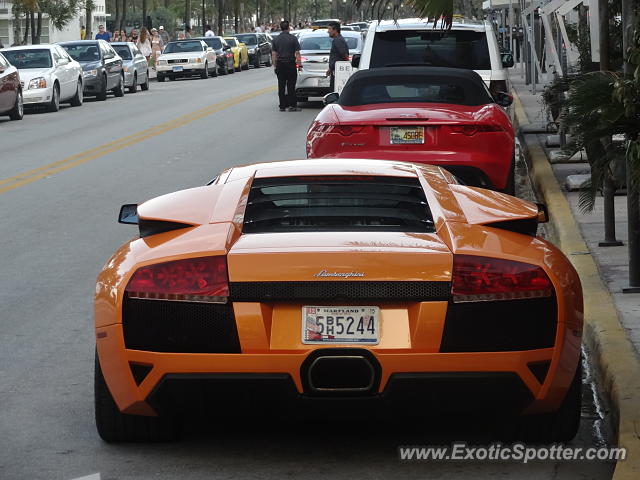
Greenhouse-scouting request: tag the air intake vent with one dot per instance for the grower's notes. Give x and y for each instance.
(337, 203)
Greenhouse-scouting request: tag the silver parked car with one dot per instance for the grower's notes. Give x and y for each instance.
(135, 66)
(314, 50)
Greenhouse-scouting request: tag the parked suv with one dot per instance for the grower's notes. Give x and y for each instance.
(469, 44)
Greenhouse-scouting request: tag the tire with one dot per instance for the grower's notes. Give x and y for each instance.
(114, 426)
(119, 90)
(559, 426)
(145, 86)
(214, 72)
(54, 104)
(510, 189)
(232, 69)
(205, 71)
(102, 94)
(134, 86)
(224, 70)
(78, 98)
(268, 62)
(256, 61)
(17, 112)
(160, 77)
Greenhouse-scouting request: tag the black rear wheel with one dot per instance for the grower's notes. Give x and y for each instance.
(102, 94)
(119, 90)
(114, 426)
(17, 112)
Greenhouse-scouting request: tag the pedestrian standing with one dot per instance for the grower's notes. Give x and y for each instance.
(83, 33)
(144, 43)
(164, 35)
(102, 34)
(134, 36)
(156, 46)
(339, 50)
(286, 57)
(208, 32)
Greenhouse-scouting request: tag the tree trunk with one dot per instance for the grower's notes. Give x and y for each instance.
(89, 23)
(26, 28)
(220, 17)
(144, 14)
(32, 21)
(187, 12)
(236, 15)
(123, 19)
(38, 29)
(116, 22)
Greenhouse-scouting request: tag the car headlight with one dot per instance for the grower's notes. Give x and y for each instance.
(197, 60)
(38, 82)
(90, 73)
(162, 62)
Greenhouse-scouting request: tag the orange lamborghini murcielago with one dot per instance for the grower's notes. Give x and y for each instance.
(336, 282)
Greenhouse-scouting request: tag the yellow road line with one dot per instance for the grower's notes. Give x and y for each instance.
(35, 174)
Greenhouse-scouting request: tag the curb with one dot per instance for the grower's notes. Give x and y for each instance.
(617, 364)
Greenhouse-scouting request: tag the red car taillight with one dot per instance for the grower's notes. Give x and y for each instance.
(192, 280)
(345, 130)
(478, 279)
(471, 130)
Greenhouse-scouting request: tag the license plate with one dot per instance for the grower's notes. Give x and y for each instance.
(177, 68)
(341, 325)
(324, 82)
(407, 135)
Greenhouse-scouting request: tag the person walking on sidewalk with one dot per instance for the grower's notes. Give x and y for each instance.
(164, 35)
(339, 50)
(286, 57)
(156, 46)
(208, 32)
(144, 43)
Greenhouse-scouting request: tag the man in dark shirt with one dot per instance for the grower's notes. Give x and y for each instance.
(339, 50)
(286, 54)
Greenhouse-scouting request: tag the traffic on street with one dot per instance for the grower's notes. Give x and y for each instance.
(253, 277)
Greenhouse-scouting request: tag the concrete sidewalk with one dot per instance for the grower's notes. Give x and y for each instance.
(612, 262)
(611, 318)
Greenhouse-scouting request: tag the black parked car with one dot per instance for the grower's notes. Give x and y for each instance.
(258, 46)
(101, 67)
(224, 55)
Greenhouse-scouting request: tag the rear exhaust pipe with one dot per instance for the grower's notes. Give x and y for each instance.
(341, 374)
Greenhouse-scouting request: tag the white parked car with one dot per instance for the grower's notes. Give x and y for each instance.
(48, 75)
(186, 58)
(470, 44)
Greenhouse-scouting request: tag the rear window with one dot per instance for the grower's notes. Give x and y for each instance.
(248, 39)
(340, 203)
(123, 51)
(455, 48)
(324, 43)
(414, 89)
(213, 42)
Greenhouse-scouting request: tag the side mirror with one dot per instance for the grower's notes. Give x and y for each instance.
(507, 60)
(128, 214)
(355, 60)
(543, 213)
(330, 98)
(504, 99)
(226, 47)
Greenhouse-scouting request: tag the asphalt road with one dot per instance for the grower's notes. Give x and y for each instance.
(63, 177)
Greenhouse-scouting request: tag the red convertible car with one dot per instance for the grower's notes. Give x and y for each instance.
(439, 116)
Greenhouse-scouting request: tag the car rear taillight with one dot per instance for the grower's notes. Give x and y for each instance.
(470, 130)
(202, 280)
(479, 279)
(345, 130)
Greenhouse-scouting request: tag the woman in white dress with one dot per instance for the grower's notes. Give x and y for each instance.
(144, 43)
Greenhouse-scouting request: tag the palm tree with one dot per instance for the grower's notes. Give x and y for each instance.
(438, 10)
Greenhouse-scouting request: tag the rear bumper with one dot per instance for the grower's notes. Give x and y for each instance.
(483, 169)
(308, 85)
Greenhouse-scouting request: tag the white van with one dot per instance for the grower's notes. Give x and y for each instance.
(468, 44)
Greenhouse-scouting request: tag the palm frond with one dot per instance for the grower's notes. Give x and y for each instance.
(440, 11)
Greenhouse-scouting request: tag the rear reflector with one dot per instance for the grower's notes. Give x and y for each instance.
(191, 280)
(477, 279)
(471, 130)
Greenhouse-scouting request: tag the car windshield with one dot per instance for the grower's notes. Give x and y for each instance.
(231, 42)
(183, 47)
(455, 48)
(324, 43)
(248, 39)
(213, 42)
(414, 89)
(84, 52)
(123, 51)
(22, 59)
